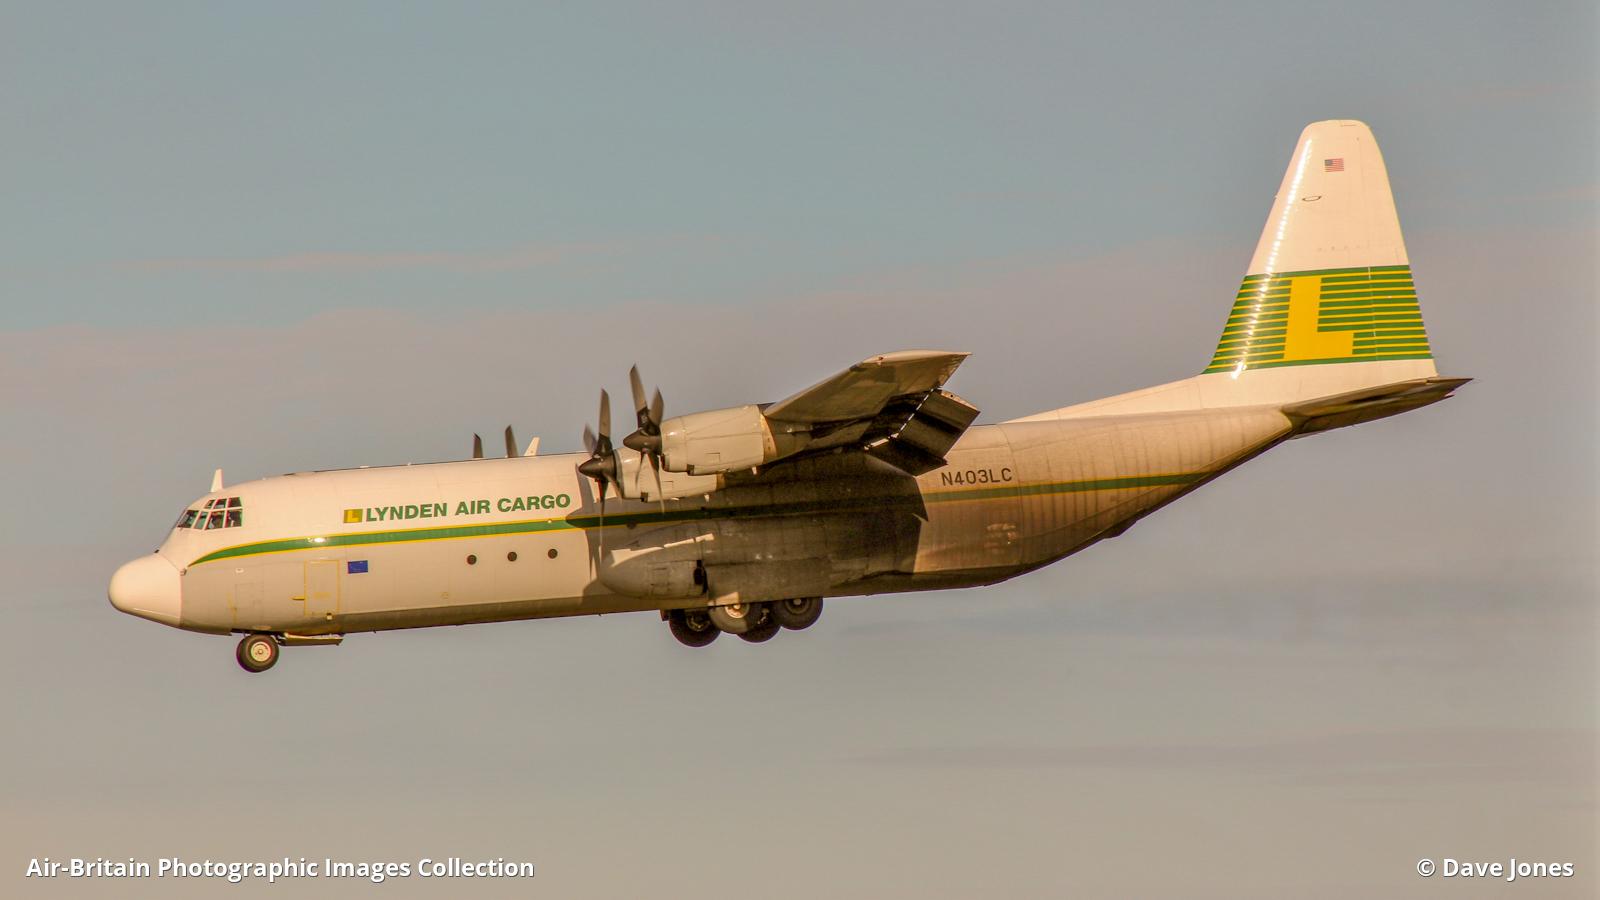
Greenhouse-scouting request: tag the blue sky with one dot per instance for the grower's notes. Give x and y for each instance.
(284, 237)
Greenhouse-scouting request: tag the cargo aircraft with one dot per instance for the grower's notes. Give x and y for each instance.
(874, 480)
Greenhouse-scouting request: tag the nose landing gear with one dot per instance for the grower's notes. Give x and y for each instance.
(257, 652)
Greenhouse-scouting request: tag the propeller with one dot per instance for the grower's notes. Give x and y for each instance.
(602, 462)
(646, 439)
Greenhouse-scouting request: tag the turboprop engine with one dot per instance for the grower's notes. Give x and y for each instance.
(891, 407)
(637, 479)
(726, 440)
(696, 447)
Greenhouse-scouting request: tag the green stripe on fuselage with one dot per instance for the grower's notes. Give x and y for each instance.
(587, 522)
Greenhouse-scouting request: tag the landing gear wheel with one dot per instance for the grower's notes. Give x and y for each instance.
(257, 652)
(796, 613)
(766, 625)
(734, 619)
(692, 627)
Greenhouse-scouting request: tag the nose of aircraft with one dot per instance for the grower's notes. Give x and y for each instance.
(148, 588)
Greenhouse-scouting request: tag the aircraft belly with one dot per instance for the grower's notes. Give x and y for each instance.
(1105, 474)
(1070, 483)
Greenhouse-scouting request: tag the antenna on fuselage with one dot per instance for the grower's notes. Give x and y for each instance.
(511, 443)
(477, 447)
(216, 481)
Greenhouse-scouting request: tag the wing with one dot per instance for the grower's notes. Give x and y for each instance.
(862, 390)
(890, 406)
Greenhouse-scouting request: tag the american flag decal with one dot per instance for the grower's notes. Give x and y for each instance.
(1333, 165)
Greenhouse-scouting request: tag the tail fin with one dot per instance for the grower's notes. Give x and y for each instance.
(1330, 283)
(1326, 325)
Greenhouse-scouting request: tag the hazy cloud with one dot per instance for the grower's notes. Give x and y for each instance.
(1459, 757)
(525, 257)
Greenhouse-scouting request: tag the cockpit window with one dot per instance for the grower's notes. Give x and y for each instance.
(219, 512)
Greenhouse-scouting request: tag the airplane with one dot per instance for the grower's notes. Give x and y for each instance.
(874, 480)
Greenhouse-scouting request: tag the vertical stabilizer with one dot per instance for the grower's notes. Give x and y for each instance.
(1330, 283)
(1326, 324)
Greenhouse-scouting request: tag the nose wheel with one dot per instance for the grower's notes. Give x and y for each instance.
(257, 652)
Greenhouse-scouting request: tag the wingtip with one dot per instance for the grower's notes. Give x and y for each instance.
(912, 355)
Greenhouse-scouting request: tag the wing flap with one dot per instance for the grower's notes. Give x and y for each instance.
(919, 443)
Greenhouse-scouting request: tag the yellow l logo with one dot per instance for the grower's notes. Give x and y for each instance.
(1302, 340)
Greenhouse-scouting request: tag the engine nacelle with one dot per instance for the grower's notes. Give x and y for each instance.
(724, 440)
(637, 479)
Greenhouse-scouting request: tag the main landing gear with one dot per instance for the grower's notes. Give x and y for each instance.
(257, 652)
(692, 627)
(753, 622)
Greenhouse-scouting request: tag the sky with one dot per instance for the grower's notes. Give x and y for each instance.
(293, 236)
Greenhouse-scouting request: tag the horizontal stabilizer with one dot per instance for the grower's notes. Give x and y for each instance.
(1367, 404)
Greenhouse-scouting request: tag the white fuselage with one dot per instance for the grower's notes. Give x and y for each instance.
(497, 539)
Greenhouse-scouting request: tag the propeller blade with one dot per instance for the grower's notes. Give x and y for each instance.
(647, 437)
(639, 405)
(602, 463)
(477, 447)
(511, 443)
